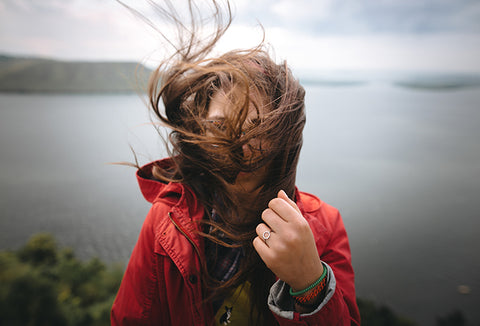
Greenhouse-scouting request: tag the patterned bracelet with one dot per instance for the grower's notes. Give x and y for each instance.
(308, 306)
(318, 286)
(312, 295)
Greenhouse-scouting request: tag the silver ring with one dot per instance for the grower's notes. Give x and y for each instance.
(266, 235)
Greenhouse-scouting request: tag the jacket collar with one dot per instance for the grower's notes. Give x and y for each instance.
(184, 203)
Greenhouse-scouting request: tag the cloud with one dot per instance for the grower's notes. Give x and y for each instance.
(446, 53)
(368, 16)
(73, 30)
(316, 34)
(302, 10)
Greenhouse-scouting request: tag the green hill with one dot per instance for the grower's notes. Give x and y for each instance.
(19, 74)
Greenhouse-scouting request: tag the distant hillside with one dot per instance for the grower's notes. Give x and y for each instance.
(44, 75)
(25, 75)
(426, 81)
(440, 82)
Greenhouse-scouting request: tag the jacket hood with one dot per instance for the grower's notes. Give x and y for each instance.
(152, 188)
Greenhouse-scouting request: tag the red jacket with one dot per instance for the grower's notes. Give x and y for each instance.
(161, 285)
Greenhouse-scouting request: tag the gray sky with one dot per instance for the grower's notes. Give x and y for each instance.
(419, 35)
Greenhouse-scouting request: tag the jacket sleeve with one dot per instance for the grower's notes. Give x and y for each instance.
(138, 301)
(339, 306)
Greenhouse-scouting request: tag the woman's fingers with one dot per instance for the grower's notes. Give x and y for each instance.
(264, 242)
(285, 207)
(261, 248)
(283, 195)
(282, 215)
(265, 233)
(272, 219)
(286, 244)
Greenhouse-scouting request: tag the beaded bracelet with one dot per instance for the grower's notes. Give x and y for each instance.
(317, 282)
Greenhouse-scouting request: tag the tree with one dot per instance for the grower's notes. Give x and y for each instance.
(455, 318)
(372, 315)
(40, 285)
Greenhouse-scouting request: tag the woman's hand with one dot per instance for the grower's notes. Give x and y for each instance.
(290, 251)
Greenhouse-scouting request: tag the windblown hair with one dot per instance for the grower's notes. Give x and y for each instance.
(208, 157)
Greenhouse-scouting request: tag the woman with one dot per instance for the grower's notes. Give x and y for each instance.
(229, 239)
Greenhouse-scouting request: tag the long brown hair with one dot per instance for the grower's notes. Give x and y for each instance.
(208, 158)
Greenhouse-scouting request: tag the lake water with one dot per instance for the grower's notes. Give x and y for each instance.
(403, 167)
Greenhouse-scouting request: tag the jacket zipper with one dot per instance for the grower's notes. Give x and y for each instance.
(184, 232)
